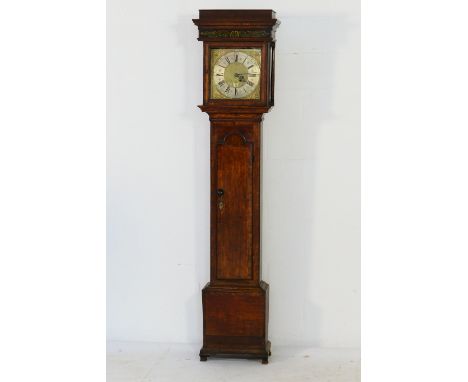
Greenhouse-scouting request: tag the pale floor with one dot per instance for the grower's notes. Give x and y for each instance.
(151, 362)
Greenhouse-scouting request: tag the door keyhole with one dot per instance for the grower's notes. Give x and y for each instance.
(220, 193)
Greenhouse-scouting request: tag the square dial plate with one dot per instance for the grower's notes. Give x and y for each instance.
(235, 73)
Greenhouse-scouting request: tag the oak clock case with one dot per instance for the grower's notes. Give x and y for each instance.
(238, 88)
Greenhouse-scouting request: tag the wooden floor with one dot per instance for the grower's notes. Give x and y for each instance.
(151, 362)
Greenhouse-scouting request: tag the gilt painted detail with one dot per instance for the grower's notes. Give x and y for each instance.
(234, 34)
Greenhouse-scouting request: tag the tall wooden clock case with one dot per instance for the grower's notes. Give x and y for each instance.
(238, 88)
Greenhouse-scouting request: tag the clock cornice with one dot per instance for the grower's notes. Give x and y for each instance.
(237, 25)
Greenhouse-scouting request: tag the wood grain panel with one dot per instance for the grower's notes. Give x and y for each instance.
(234, 216)
(235, 315)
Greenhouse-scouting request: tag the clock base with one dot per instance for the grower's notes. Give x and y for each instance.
(244, 354)
(235, 321)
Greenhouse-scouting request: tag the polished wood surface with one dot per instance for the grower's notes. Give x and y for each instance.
(235, 229)
(235, 301)
(234, 162)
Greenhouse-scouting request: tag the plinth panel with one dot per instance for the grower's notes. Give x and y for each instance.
(235, 321)
(234, 314)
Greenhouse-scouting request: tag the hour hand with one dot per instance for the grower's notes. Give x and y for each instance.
(240, 76)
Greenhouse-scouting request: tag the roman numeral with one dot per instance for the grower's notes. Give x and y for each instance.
(250, 67)
(236, 57)
(227, 59)
(250, 83)
(220, 74)
(235, 91)
(221, 83)
(227, 89)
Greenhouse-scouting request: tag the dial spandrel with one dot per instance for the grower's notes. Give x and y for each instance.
(235, 74)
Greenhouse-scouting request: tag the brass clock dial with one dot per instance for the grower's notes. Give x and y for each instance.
(235, 73)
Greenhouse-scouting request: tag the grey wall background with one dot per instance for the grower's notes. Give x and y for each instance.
(158, 173)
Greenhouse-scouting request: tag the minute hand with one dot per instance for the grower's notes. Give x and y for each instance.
(246, 74)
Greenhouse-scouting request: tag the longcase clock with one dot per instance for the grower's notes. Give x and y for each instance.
(238, 88)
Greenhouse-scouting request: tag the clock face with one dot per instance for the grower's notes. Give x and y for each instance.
(235, 73)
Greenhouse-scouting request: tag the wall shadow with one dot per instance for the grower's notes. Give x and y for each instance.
(307, 48)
